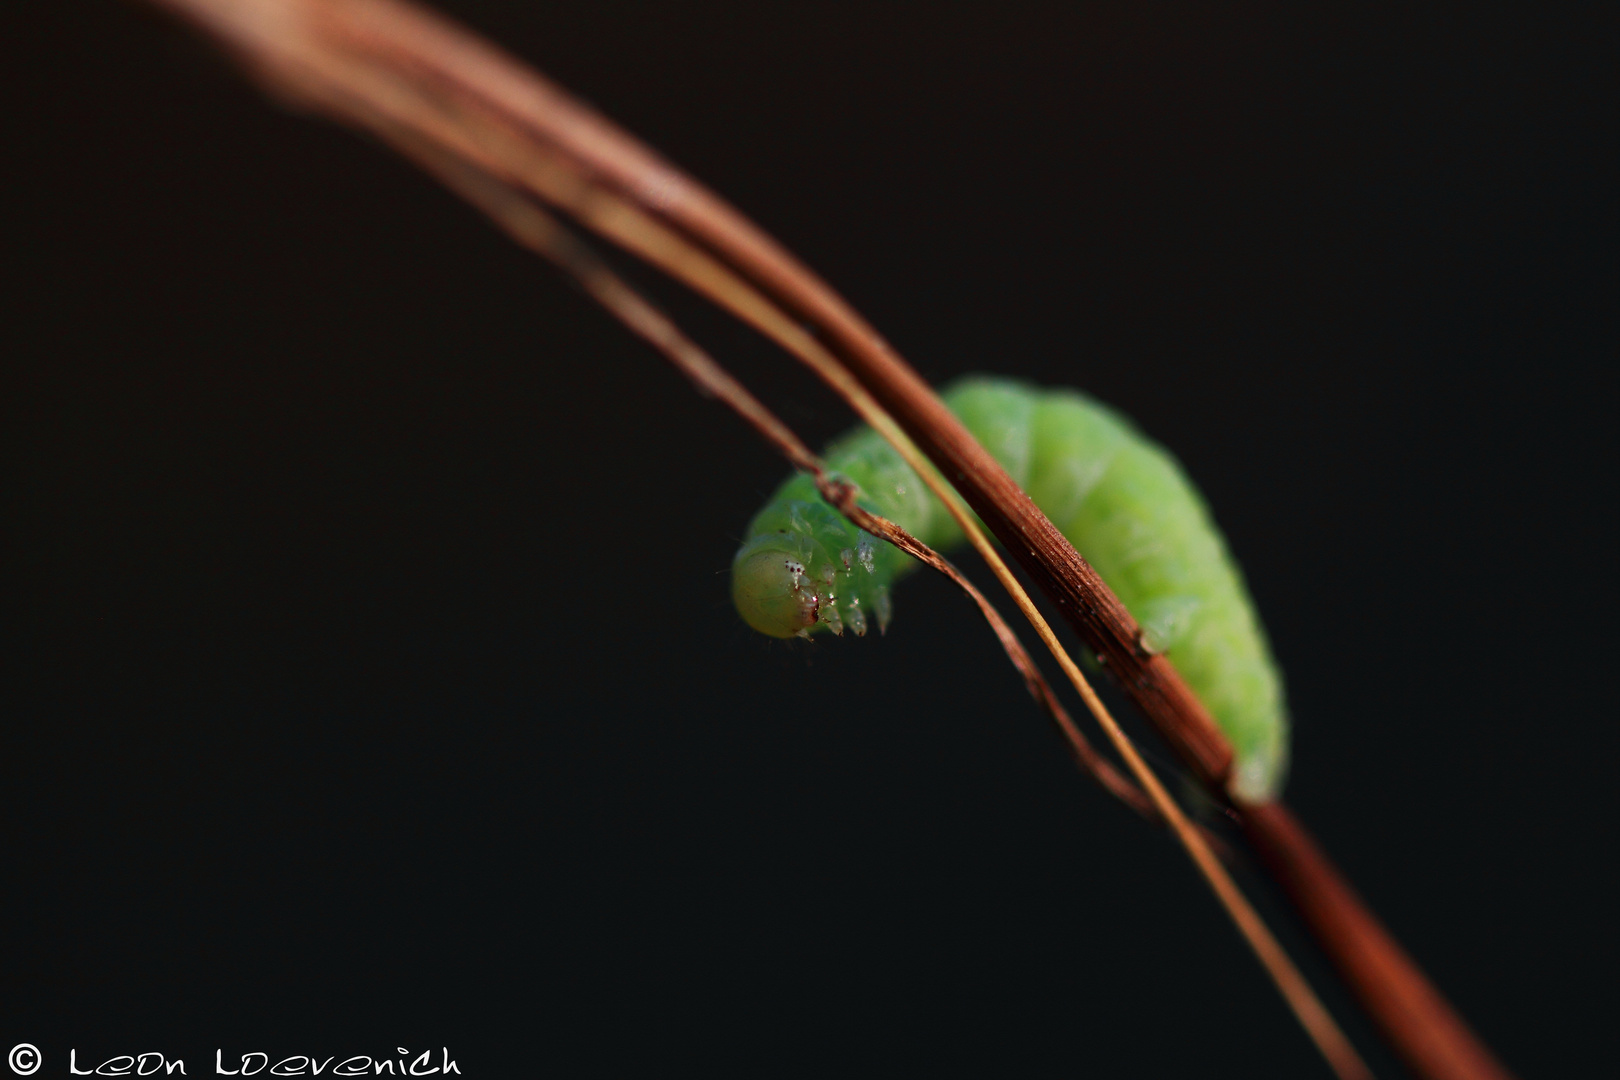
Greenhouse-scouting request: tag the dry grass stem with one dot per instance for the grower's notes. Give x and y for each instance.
(442, 95)
(539, 231)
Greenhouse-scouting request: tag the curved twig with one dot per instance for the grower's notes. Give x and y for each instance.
(370, 60)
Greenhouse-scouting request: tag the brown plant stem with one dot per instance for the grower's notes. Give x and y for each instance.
(536, 229)
(381, 62)
(1430, 1036)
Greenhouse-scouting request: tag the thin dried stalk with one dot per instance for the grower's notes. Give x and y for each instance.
(536, 229)
(389, 60)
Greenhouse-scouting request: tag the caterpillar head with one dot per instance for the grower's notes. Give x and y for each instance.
(771, 588)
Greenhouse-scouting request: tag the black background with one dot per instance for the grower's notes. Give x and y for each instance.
(369, 677)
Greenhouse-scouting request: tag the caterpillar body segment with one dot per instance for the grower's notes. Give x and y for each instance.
(1121, 499)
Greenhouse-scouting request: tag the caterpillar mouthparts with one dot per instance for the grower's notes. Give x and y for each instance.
(771, 593)
(787, 582)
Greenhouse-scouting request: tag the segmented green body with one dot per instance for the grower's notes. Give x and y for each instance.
(1121, 499)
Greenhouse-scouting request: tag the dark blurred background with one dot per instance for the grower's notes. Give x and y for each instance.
(369, 677)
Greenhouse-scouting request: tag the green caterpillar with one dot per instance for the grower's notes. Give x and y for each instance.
(1120, 498)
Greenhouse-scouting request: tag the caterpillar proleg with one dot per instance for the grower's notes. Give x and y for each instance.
(1121, 499)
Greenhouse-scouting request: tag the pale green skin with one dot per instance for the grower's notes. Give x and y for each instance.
(1121, 500)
